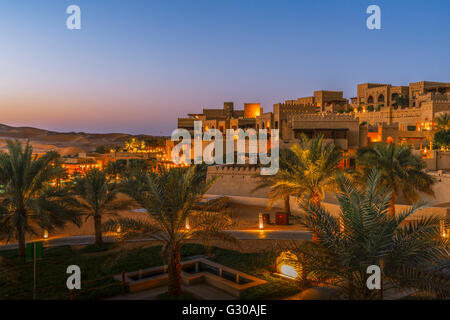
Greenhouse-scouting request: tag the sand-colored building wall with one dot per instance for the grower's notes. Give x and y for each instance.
(239, 184)
(236, 181)
(265, 121)
(427, 107)
(437, 160)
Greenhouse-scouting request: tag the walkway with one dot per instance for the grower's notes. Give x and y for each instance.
(239, 234)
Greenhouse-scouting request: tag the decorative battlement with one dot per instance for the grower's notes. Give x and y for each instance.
(323, 116)
(296, 107)
(233, 170)
(436, 97)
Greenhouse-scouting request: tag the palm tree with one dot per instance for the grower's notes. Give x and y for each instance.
(96, 196)
(170, 198)
(30, 199)
(310, 170)
(116, 168)
(278, 191)
(410, 254)
(132, 145)
(402, 101)
(402, 172)
(443, 122)
(137, 166)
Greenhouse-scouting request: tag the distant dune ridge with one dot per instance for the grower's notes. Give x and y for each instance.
(66, 143)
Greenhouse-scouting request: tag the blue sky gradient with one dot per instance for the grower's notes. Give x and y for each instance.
(135, 66)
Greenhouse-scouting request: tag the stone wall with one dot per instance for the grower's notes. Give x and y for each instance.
(236, 181)
(239, 183)
(438, 160)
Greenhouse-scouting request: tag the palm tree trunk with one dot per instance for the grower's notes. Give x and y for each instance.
(21, 240)
(315, 198)
(174, 272)
(392, 205)
(98, 230)
(287, 206)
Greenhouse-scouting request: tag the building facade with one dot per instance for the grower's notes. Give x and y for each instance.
(378, 106)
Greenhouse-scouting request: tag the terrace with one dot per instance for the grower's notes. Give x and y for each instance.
(194, 272)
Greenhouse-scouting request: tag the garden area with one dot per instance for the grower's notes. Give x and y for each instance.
(98, 266)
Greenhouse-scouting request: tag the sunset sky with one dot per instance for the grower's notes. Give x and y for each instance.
(135, 66)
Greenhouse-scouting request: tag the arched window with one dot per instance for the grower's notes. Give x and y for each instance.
(394, 95)
(381, 98)
(370, 99)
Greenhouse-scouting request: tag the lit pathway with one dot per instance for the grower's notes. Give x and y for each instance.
(239, 234)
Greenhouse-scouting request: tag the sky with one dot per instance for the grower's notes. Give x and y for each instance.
(137, 65)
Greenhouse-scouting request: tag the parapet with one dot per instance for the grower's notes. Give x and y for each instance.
(324, 117)
(234, 169)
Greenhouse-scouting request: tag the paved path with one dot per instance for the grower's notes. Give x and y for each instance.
(239, 234)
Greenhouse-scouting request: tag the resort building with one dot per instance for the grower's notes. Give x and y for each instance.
(380, 112)
(223, 119)
(414, 114)
(383, 95)
(340, 129)
(292, 118)
(79, 166)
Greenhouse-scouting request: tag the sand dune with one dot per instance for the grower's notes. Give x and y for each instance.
(65, 143)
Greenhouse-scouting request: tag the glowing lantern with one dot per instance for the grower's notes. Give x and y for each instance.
(261, 221)
(444, 232)
(45, 234)
(288, 271)
(187, 226)
(288, 265)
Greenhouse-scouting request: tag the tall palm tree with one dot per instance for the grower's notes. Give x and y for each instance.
(310, 171)
(96, 196)
(30, 199)
(170, 198)
(410, 254)
(278, 191)
(402, 172)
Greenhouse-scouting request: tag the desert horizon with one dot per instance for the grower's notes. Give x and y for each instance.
(65, 143)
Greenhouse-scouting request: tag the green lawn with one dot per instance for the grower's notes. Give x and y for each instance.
(97, 267)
